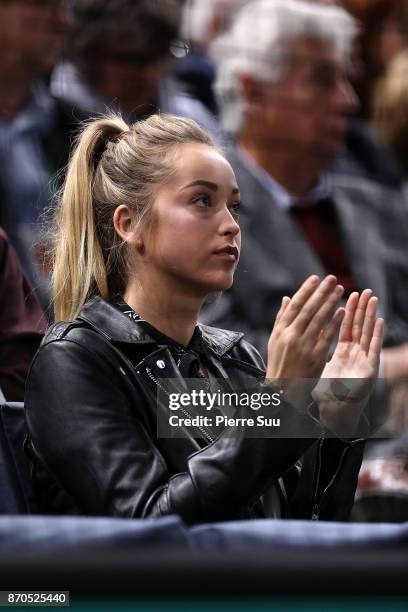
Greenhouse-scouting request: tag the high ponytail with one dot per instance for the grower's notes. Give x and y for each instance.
(112, 164)
(79, 266)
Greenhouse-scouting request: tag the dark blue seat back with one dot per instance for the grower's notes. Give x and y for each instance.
(16, 494)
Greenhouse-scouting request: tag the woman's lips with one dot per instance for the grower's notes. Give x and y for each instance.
(229, 253)
(227, 256)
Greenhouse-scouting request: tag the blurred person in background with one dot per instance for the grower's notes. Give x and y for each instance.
(116, 54)
(286, 97)
(32, 142)
(22, 324)
(363, 153)
(119, 58)
(383, 34)
(390, 109)
(383, 484)
(203, 21)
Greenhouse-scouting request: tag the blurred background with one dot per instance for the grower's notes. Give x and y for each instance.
(311, 107)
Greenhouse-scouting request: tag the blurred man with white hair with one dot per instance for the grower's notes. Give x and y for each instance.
(285, 97)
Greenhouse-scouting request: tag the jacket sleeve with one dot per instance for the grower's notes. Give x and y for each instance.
(86, 432)
(323, 483)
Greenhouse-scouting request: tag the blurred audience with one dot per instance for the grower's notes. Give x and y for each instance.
(363, 153)
(383, 34)
(383, 484)
(286, 97)
(116, 55)
(321, 193)
(390, 109)
(203, 21)
(119, 57)
(32, 34)
(22, 324)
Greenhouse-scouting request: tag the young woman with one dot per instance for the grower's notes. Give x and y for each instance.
(147, 227)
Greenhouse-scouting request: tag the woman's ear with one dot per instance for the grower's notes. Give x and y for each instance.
(123, 223)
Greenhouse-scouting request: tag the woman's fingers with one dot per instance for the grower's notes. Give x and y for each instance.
(325, 313)
(347, 324)
(299, 299)
(284, 305)
(328, 334)
(311, 306)
(376, 343)
(359, 315)
(369, 323)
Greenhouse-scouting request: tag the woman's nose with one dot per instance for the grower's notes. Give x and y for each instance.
(229, 224)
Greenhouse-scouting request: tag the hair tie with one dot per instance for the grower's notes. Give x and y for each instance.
(101, 148)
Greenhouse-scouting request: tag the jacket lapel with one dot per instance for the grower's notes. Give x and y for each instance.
(361, 236)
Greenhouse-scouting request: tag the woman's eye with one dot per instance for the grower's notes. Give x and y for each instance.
(202, 200)
(236, 208)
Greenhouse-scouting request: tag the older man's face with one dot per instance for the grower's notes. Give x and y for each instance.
(306, 112)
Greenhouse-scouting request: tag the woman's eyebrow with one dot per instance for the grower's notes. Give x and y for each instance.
(209, 184)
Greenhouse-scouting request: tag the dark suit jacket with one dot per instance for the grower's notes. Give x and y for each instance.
(276, 257)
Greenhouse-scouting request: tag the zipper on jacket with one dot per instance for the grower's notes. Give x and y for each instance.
(318, 503)
(204, 432)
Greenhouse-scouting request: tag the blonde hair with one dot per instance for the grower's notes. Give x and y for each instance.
(112, 163)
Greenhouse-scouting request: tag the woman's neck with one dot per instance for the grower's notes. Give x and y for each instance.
(174, 313)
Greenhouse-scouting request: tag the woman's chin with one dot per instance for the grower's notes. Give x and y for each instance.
(220, 283)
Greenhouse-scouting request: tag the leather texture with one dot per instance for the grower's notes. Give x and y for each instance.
(92, 446)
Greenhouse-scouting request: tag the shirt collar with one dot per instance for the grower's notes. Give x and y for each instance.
(283, 199)
(67, 84)
(195, 343)
(100, 315)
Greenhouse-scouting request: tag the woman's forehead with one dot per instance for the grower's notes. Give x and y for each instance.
(196, 160)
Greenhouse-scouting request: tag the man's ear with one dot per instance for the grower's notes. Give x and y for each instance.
(123, 223)
(251, 90)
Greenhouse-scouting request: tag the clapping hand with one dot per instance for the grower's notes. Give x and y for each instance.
(304, 330)
(345, 383)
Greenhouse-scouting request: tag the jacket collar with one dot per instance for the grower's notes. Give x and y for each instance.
(116, 327)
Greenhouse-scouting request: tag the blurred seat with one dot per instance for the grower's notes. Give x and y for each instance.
(104, 554)
(16, 494)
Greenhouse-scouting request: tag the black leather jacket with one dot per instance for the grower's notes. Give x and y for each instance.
(93, 449)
